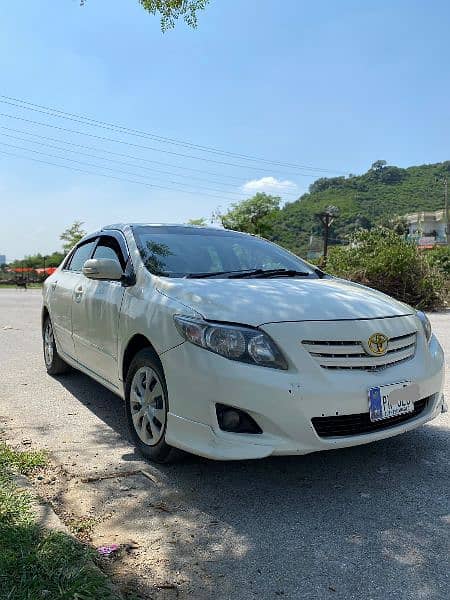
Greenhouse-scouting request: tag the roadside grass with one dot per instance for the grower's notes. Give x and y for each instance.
(12, 286)
(35, 563)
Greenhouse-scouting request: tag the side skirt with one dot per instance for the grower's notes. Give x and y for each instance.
(107, 384)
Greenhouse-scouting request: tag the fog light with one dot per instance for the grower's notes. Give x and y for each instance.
(236, 420)
(231, 419)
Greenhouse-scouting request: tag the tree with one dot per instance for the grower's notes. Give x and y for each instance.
(37, 261)
(171, 10)
(325, 183)
(254, 215)
(201, 222)
(378, 166)
(72, 235)
(397, 223)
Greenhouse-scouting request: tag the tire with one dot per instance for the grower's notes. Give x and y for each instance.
(53, 362)
(147, 407)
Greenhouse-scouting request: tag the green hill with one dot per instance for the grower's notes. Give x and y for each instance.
(364, 200)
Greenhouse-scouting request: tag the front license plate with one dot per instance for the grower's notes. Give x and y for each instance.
(387, 401)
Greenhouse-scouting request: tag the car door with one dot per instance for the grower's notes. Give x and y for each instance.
(61, 295)
(95, 315)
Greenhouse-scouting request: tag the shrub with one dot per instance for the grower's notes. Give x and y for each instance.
(440, 259)
(387, 262)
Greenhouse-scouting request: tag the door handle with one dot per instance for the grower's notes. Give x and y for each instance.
(53, 284)
(78, 294)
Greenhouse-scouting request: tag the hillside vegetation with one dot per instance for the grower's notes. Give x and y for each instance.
(365, 200)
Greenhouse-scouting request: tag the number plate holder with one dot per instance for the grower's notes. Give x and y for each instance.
(392, 400)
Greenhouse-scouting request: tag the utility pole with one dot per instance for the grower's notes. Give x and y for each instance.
(326, 218)
(447, 231)
(444, 179)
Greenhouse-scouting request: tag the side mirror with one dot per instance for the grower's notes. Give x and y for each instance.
(103, 268)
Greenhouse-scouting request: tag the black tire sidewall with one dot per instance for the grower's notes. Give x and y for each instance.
(58, 366)
(159, 452)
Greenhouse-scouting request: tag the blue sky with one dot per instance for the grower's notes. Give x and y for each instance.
(330, 85)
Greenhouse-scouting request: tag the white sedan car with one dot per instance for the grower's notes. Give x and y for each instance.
(227, 346)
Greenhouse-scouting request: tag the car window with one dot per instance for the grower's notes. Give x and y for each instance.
(108, 247)
(258, 254)
(80, 256)
(177, 251)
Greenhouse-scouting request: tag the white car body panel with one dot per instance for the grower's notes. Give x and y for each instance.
(58, 292)
(95, 325)
(257, 301)
(93, 333)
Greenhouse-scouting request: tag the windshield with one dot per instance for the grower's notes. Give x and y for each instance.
(186, 251)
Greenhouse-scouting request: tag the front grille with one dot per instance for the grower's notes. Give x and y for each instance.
(350, 354)
(347, 425)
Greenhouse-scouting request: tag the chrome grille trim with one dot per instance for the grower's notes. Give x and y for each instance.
(350, 354)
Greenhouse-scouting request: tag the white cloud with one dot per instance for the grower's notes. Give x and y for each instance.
(269, 184)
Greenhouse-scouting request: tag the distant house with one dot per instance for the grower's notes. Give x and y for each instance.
(427, 229)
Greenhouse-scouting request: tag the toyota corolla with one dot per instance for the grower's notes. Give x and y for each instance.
(228, 346)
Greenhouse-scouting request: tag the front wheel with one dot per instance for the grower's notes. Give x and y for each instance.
(147, 407)
(53, 362)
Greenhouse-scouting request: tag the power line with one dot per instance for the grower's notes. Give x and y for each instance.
(139, 158)
(24, 104)
(78, 152)
(103, 167)
(70, 168)
(99, 137)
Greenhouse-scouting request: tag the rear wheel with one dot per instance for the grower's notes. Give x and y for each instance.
(147, 406)
(53, 362)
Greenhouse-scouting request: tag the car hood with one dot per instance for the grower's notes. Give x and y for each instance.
(258, 301)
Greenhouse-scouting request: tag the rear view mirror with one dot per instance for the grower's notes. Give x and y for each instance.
(103, 268)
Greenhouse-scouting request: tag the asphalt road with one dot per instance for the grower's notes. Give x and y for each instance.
(370, 522)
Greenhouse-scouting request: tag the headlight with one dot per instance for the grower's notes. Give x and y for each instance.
(425, 323)
(232, 341)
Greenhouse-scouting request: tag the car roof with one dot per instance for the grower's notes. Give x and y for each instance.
(123, 226)
(170, 227)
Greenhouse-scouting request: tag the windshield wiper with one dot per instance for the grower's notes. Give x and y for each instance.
(240, 273)
(251, 273)
(261, 273)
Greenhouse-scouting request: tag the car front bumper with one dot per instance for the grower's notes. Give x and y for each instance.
(283, 403)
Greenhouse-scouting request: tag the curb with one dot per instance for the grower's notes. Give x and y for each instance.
(47, 519)
(42, 511)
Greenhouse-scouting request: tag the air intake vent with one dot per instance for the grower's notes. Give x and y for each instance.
(348, 425)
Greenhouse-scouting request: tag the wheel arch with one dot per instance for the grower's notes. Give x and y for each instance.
(137, 343)
(44, 314)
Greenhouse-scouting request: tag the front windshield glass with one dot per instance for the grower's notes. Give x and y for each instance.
(187, 251)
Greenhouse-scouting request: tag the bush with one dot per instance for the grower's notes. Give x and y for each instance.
(440, 259)
(383, 260)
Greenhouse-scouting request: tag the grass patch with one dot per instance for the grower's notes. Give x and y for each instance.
(20, 462)
(12, 286)
(82, 527)
(35, 563)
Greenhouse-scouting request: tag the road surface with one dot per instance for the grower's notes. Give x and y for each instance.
(369, 522)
